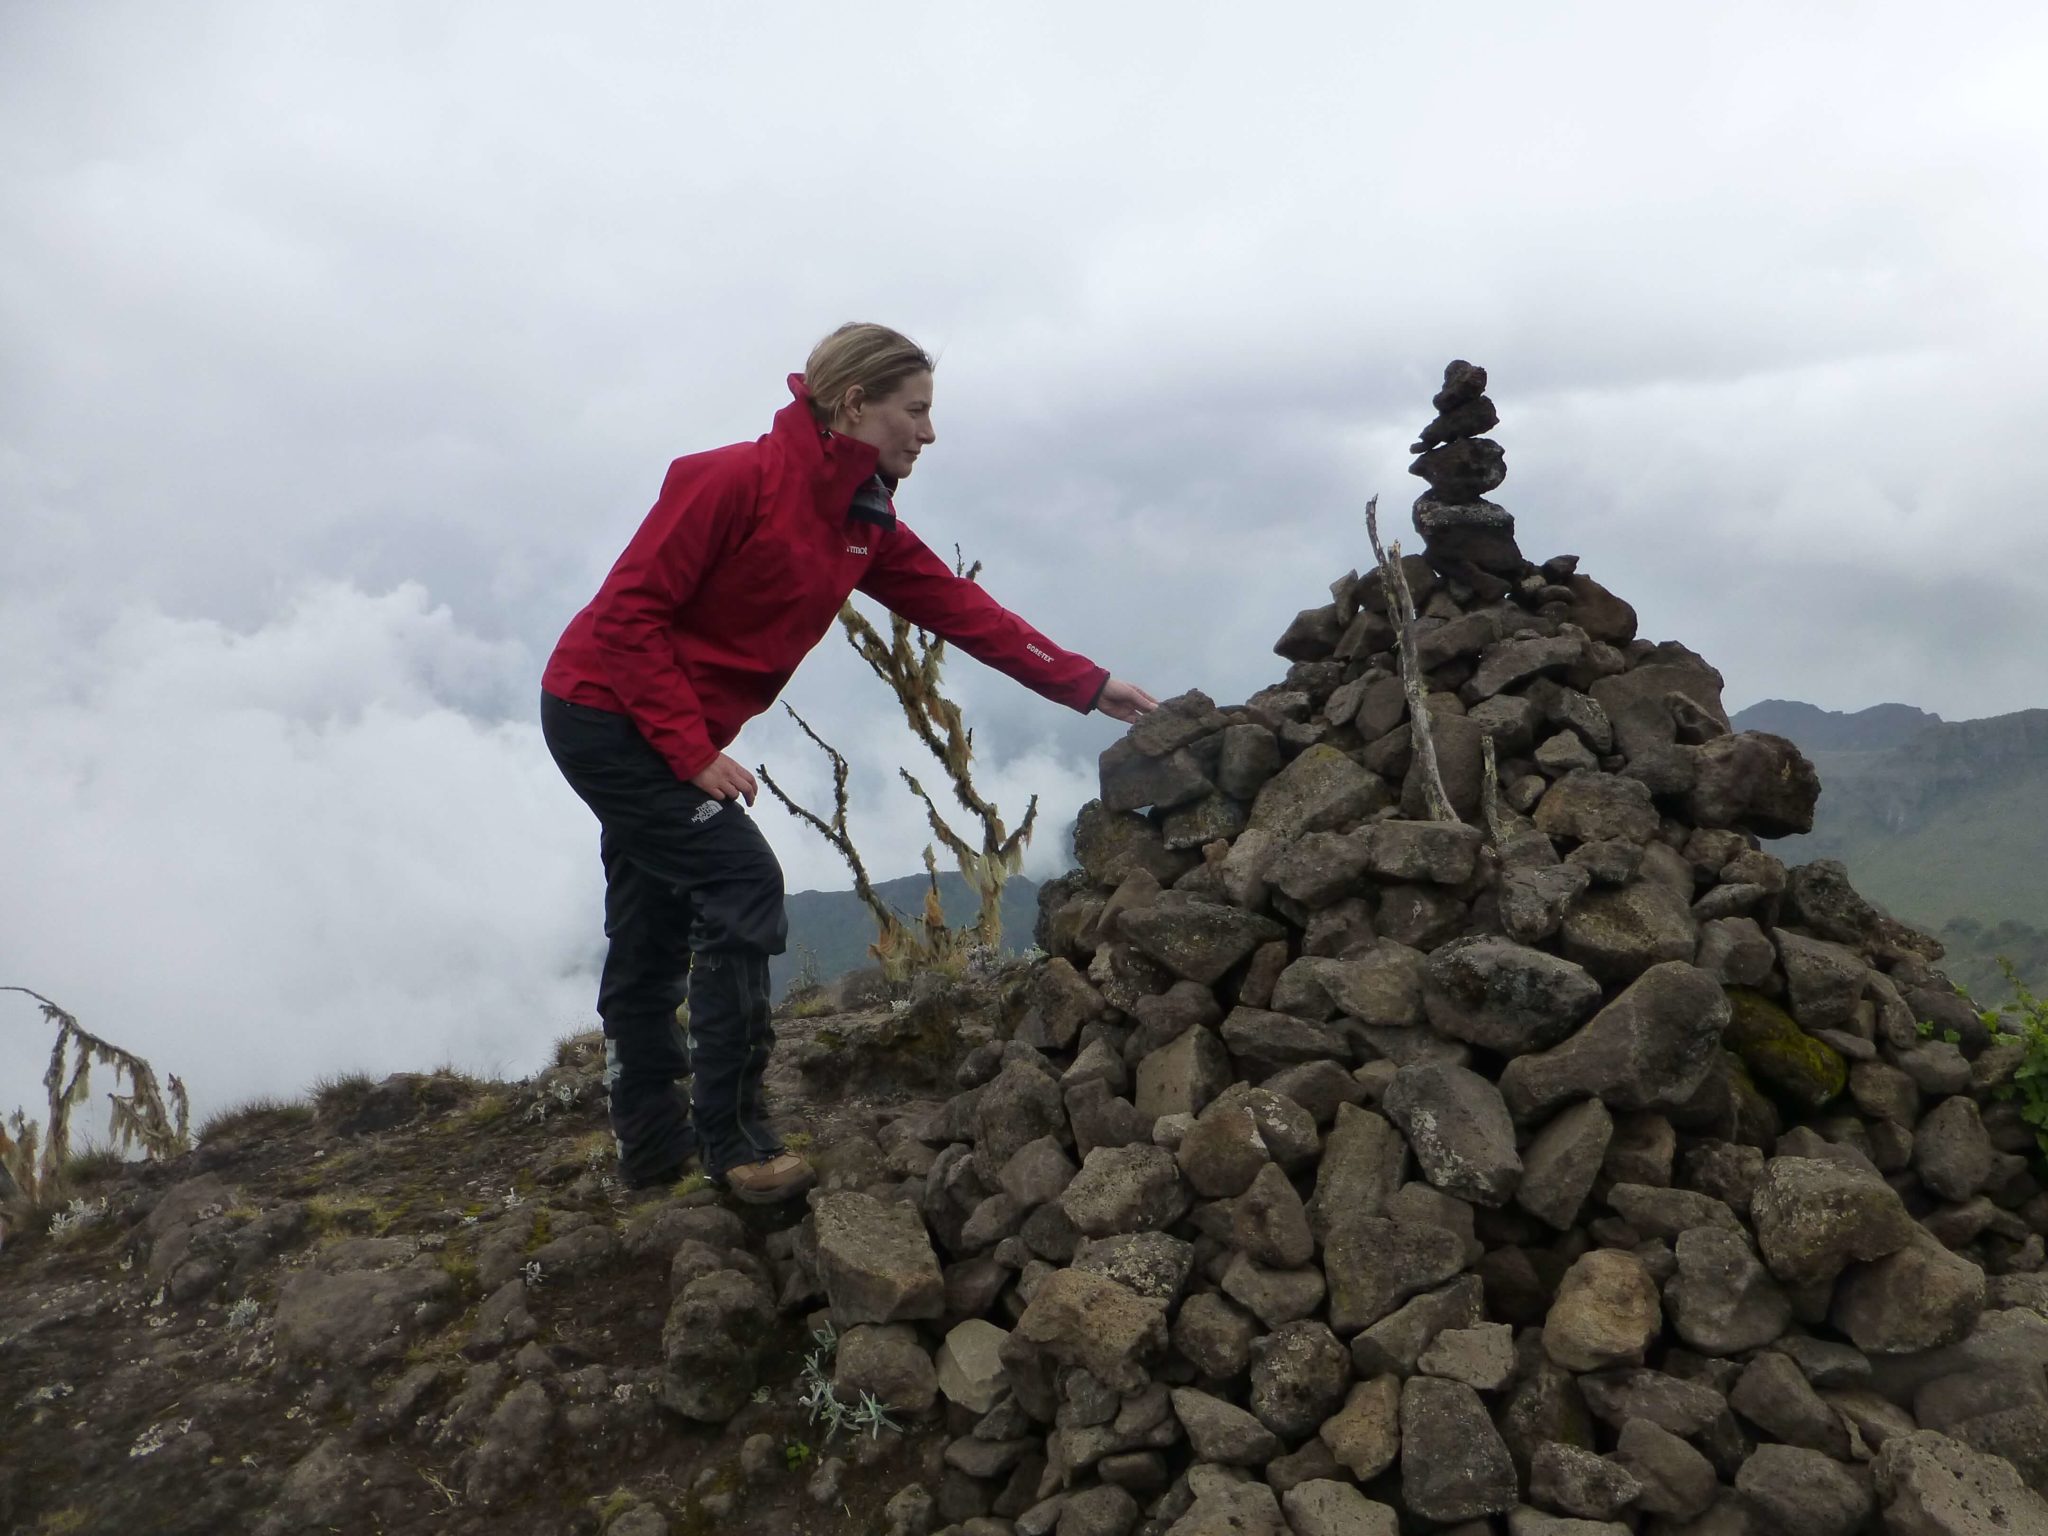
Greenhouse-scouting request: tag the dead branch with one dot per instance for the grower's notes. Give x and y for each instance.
(1401, 607)
(894, 944)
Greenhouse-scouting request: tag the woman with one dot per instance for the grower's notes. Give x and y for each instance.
(736, 573)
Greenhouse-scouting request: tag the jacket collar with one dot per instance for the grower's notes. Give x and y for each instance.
(837, 467)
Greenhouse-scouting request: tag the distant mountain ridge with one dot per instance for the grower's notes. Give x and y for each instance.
(833, 929)
(1831, 730)
(1941, 822)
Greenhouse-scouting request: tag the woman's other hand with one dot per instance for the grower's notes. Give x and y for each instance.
(1125, 701)
(727, 780)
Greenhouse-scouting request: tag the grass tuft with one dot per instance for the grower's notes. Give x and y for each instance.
(267, 1114)
(342, 1093)
(94, 1163)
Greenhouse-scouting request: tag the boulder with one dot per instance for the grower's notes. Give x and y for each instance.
(1505, 997)
(1652, 1047)
(876, 1261)
(1458, 1127)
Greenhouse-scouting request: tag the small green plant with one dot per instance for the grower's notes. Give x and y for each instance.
(796, 1455)
(2024, 1023)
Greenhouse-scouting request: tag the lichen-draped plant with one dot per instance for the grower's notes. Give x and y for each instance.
(138, 1120)
(911, 661)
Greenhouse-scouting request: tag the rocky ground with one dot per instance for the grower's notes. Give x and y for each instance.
(425, 1305)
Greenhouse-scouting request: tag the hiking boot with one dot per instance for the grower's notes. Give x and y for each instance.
(770, 1182)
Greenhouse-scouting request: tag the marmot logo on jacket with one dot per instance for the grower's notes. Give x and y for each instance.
(856, 549)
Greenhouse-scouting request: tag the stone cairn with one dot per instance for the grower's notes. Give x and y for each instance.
(1570, 1168)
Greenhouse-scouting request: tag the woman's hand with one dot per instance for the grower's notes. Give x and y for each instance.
(727, 780)
(1125, 701)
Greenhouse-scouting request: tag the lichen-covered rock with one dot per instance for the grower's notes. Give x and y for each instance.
(1454, 1464)
(1196, 940)
(711, 1345)
(1459, 1129)
(1919, 1297)
(1588, 806)
(1803, 1491)
(1722, 1301)
(1506, 997)
(1619, 933)
(1815, 1218)
(1373, 1265)
(1081, 1319)
(1125, 1189)
(1783, 1059)
(1650, 1048)
(1322, 790)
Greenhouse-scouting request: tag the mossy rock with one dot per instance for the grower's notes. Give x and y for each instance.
(1784, 1060)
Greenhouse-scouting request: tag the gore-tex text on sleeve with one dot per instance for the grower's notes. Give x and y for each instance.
(703, 501)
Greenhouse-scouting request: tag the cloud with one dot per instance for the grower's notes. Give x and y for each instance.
(258, 857)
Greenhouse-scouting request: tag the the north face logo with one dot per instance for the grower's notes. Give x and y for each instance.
(707, 810)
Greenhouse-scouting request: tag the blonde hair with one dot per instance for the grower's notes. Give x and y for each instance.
(872, 357)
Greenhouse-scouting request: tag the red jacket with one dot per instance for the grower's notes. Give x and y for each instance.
(741, 568)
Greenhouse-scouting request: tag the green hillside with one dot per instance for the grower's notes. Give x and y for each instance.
(833, 929)
(1944, 824)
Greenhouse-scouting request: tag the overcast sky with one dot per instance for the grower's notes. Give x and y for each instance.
(343, 346)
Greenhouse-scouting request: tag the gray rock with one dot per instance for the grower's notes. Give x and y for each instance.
(1587, 806)
(1753, 780)
(1675, 1479)
(1920, 1297)
(969, 1367)
(1657, 1211)
(1081, 1319)
(1223, 1152)
(1685, 1408)
(1196, 940)
(1322, 790)
(1250, 755)
(876, 1260)
(1131, 780)
(1562, 1161)
(1638, 701)
(1273, 1296)
(1951, 1151)
(1125, 1189)
(358, 1318)
(1506, 997)
(1652, 1047)
(1213, 1336)
(1606, 1313)
(1098, 1511)
(1620, 933)
(1180, 1078)
(1325, 1507)
(1722, 1301)
(1038, 1172)
(1221, 1432)
(1320, 867)
(1299, 1375)
(1527, 1520)
(1735, 952)
(1395, 1344)
(1435, 851)
(1482, 1357)
(1575, 1482)
(1373, 1265)
(1823, 981)
(1513, 661)
(1454, 1464)
(1019, 1106)
(1803, 1491)
(1382, 987)
(710, 1345)
(1774, 1395)
(1813, 1218)
(1533, 901)
(1458, 1127)
(887, 1361)
(1263, 1042)
(1224, 1508)
(1365, 1161)
(1154, 1264)
(1267, 1222)
(1932, 1485)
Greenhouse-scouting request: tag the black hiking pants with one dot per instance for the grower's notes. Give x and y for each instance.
(692, 908)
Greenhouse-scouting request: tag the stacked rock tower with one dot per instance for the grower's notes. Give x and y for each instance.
(1572, 1168)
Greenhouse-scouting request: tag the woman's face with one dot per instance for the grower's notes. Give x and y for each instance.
(897, 426)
